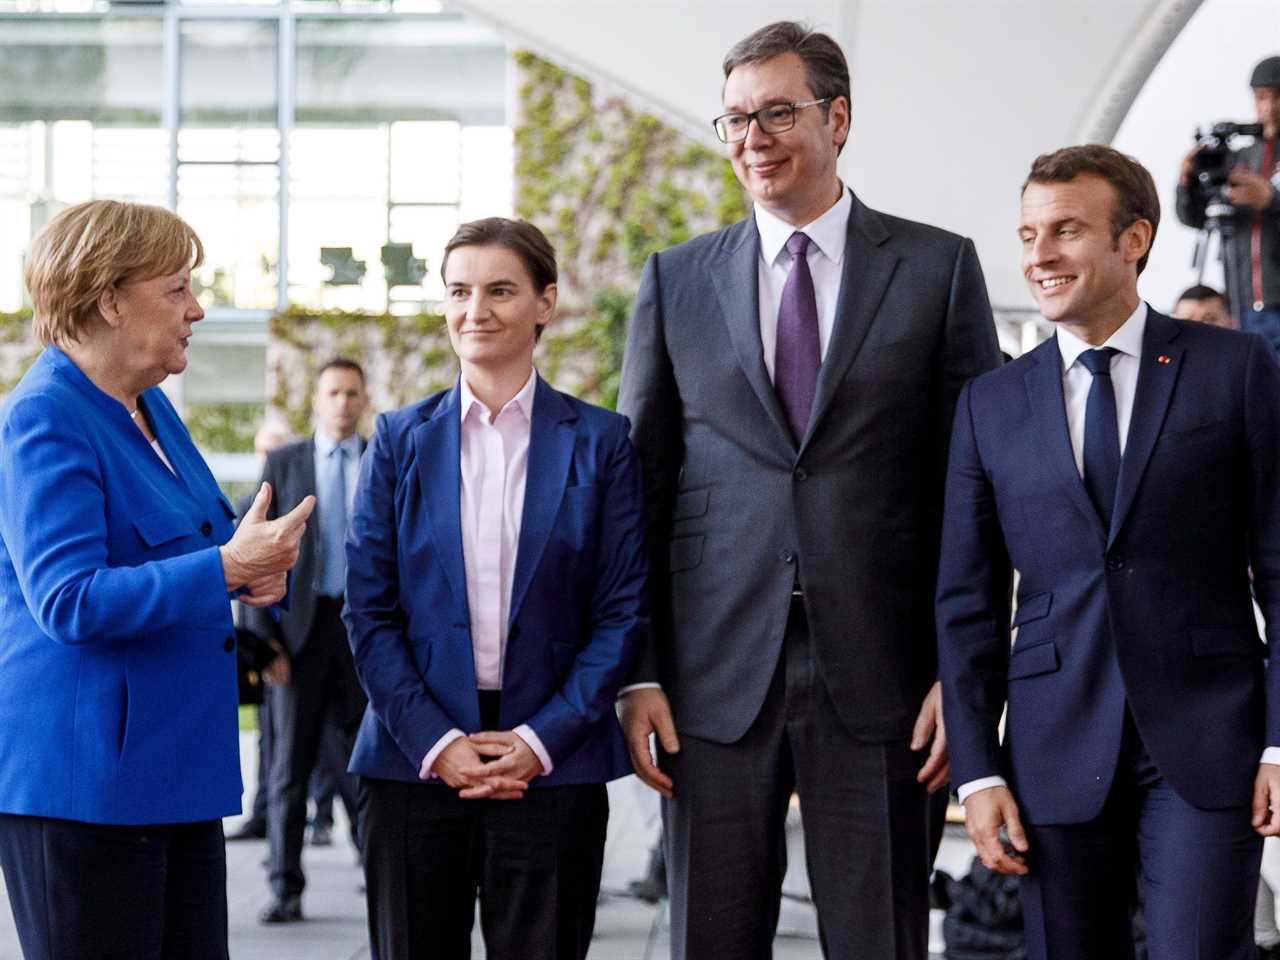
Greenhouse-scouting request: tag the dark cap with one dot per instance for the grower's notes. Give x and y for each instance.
(1266, 74)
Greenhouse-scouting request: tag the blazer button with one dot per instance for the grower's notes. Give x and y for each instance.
(1115, 562)
(801, 474)
(786, 556)
(229, 644)
(206, 528)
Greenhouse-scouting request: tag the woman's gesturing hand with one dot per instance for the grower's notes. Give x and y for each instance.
(261, 548)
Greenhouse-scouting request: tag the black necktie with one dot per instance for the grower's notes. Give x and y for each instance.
(1101, 434)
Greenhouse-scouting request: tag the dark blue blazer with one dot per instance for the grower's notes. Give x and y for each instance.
(1154, 613)
(118, 699)
(577, 603)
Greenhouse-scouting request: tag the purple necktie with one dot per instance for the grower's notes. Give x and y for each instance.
(797, 358)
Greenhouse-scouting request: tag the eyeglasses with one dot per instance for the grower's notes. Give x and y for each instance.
(775, 118)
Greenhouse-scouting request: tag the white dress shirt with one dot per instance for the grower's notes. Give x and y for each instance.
(494, 461)
(825, 255)
(1076, 382)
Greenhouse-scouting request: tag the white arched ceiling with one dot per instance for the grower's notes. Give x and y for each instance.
(951, 101)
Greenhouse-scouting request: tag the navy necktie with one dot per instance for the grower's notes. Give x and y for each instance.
(1101, 434)
(797, 357)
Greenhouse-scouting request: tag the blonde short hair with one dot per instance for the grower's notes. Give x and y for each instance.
(88, 248)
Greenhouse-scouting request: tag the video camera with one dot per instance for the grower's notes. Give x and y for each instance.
(1212, 165)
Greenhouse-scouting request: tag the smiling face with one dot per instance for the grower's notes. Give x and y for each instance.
(791, 174)
(1079, 272)
(492, 309)
(153, 319)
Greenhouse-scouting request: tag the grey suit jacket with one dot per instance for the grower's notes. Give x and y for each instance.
(291, 471)
(736, 513)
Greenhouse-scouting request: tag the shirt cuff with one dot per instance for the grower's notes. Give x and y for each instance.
(425, 772)
(973, 786)
(1271, 755)
(650, 685)
(525, 733)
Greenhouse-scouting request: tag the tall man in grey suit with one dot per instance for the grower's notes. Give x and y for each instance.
(791, 381)
(322, 679)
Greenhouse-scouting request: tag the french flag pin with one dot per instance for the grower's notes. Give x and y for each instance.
(1163, 358)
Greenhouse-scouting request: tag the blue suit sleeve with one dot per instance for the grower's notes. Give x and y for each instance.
(374, 616)
(1262, 420)
(619, 617)
(55, 528)
(972, 607)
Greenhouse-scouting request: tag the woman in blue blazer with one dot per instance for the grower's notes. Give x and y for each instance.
(118, 723)
(495, 606)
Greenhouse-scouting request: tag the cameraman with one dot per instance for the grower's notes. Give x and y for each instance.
(1254, 283)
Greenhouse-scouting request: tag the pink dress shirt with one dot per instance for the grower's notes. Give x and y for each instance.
(494, 453)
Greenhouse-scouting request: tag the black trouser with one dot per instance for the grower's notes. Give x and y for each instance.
(866, 828)
(535, 863)
(84, 891)
(322, 678)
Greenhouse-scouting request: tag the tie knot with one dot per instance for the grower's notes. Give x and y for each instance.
(1098, 361)
(798, 245)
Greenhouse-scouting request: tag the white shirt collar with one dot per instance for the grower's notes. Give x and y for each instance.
(522, 401)
(827, 233)
(1127, 339)
(326, 443)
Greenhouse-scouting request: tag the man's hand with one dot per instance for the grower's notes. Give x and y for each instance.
(260, 547)
(929, 726)
(511, 764)
(276, 672)
(456, 764)
(1266, 800)
(1248, 189)
(985, 812)
(647, 711)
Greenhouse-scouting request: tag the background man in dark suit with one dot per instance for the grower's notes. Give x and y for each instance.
(790, 381)
(322, 679)
(1138, 705)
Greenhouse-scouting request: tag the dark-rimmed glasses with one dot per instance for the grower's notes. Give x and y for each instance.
(775, 118)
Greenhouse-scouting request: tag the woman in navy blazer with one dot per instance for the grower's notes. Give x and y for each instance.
(118, 722)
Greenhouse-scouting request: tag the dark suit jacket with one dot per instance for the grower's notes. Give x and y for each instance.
(1154, 613)
(577, 613)
(734, 509)
(291, 471)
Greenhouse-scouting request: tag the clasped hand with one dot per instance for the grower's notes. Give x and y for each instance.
(490, 765)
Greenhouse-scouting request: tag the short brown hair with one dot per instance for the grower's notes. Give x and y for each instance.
(92, 246)
(1136, 196)
(824, 63)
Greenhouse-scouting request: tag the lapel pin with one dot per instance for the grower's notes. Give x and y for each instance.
(1163, 358)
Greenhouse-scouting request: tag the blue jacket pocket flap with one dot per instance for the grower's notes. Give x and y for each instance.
(1033, 607)
(164, 526)
(1034, 660)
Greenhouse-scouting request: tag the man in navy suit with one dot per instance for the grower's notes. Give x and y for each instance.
(495, 603)
(1128, 469)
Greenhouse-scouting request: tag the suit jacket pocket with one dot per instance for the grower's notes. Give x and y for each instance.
(1226, 642)
(163, 526)
(1032, 661)
(1032, 608)
(685, 553)
(690, 504)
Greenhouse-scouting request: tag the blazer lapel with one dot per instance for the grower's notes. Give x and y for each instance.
(437, 443)
(1151, 399)
(1049, 407)
(737, 283)
(551, 442)
(866, 270)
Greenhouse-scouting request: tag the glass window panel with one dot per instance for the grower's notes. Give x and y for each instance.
(428, 229)
(488, 158)
(425, 161)
(14, 233)
(229, 144)
(131, 164)
(222, 372)
(72, 165)
(229, 73)
(235, 210)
